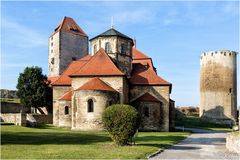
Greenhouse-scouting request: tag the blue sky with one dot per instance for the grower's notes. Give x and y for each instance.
(174, 34)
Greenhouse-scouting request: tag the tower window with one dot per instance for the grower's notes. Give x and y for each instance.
(51, 51)
(66, 110)
(146, 111)
(51, 38)
(95, 48)
(107, 47)
(52, 60)
(52, 44)
(230, 90)
(90, 105)
(123, 49)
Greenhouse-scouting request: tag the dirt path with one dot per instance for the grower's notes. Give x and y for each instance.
(202, 144)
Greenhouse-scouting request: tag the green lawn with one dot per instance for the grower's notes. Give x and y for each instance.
(10, 100)
(196, 122)
(57, 143)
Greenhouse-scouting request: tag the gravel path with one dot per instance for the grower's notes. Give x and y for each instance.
(202, 144)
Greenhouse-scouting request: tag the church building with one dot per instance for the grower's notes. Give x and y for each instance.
(114, 72)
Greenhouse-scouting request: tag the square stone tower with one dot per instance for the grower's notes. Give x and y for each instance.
(68, 42)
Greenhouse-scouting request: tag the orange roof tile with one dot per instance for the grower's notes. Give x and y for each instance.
(64, 79)
(67, 96)
(53, 79)
(147, 98)
(69, 25)
(143, 75)
(99, 65)
(96, 84)
(138, 54)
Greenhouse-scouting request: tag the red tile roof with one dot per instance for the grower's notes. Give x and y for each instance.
(138, 54)
(147, 98)
(53, 79)
(139, 57)
(96, 84)
(67, 96)
(99, 65)
(69, 25)
(145, 75)
(64, 79)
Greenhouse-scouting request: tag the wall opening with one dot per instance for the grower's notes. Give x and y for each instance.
(90, 105)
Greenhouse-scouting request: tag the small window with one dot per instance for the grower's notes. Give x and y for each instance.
(230, 54)
(66, 110)
(110, 102)
(212, 54)
(52, 44)
(95, 48)
(90, 105)
(51, 38)
(74, 58)
(52, 60)
(107, 47)
(123, 49)
(224, 53)
(146, 111)
(230, 90)
(51, 51)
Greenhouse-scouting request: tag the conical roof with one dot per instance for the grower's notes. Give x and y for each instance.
(96, 84)
(112, 32)
(69, 25)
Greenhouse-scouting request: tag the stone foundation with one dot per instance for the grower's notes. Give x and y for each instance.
(233, 142)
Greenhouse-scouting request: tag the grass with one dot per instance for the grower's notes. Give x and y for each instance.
(61, 143)
(196, 122)
(10, 100)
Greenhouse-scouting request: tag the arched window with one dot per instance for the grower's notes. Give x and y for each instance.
(90, 105)
(146, 111)
(107, 47)
(95, 48)
(66, 110)
(123, 48)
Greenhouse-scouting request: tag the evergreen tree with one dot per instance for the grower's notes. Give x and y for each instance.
(33, 89)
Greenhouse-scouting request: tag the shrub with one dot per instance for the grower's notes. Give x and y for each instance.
(122, 122)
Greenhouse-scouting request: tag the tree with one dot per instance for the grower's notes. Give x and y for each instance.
(33, 88)
(122, 122)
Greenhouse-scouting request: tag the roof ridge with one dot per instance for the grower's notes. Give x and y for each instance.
(95, 56)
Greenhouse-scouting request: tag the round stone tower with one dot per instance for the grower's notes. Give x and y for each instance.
(218, 86)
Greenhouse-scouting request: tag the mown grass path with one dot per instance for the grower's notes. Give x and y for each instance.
(56, 143)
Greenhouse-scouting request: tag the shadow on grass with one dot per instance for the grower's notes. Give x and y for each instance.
(52, 138)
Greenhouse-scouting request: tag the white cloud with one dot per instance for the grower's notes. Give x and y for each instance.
(21, 36)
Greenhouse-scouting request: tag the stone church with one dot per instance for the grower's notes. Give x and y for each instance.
(114, 72)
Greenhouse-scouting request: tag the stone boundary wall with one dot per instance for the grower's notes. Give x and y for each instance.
(16, 118)
(42, 119)
(233, 142)
(23, 119)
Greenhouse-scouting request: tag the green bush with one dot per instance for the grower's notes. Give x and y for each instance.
(122, 122)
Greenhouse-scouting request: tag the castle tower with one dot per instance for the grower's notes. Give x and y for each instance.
(218, 86)
(68, 42)
(118, 46)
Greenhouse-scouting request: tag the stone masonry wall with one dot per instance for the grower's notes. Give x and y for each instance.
(161, 93)
(116, 82)
(65, 120)
(233, 142)
(218, 91)
(16, 118)
(84, 120)
(58, 92)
